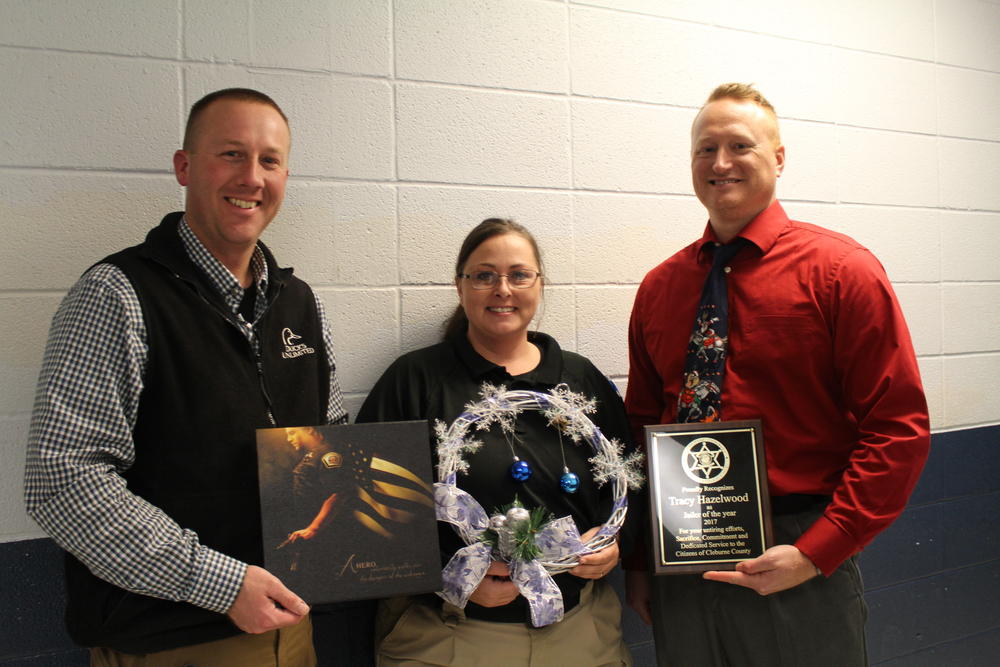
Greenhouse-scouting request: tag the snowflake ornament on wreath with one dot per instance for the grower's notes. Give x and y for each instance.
(556, 546)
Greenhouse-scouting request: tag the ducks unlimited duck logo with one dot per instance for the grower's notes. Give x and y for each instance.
(293, 348)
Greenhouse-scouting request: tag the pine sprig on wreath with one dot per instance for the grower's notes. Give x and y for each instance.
(516, 540)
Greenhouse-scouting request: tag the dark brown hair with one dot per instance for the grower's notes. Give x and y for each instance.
(238, 94)
(457, 324)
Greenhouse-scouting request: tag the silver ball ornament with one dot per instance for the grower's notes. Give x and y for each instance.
(517, 516)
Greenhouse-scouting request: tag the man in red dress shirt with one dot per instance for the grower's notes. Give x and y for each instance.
(819, 351)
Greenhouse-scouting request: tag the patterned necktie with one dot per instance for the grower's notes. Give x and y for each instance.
(705, 365)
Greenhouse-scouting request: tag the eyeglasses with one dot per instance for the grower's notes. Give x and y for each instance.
(518, 278)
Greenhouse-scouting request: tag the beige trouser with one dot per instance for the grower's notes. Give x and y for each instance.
(287, 647)
(588, 636)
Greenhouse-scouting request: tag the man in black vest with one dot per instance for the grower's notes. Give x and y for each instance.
(161, 362)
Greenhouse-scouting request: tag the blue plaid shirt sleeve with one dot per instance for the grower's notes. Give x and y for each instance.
(80, 442)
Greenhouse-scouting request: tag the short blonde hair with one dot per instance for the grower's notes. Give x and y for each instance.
(744, 92)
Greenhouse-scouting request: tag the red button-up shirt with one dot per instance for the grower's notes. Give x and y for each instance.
(819, 350)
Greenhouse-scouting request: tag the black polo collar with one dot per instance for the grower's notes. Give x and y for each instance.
(548, 371)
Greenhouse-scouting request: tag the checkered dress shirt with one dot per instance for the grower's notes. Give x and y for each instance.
(80, 440)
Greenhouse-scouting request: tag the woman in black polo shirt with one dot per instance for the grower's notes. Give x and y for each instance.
(498, 276)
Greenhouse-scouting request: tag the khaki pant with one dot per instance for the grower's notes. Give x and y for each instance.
(287, 647)
(588, 636)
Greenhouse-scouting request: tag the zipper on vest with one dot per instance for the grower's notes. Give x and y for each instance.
(263, 390)
(260, 364)
(231, 319)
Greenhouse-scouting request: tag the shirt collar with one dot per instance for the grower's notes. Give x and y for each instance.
(763, 231)
(221, 278)
(547, 372)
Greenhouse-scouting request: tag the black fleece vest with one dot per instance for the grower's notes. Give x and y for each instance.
(205, 391)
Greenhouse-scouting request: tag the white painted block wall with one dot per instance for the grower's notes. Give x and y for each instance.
(414, 119)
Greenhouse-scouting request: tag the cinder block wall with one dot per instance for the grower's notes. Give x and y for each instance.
(414, 119)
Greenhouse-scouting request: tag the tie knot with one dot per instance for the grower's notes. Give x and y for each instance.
(724, 253)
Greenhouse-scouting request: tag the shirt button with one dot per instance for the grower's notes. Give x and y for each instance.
(728, 269)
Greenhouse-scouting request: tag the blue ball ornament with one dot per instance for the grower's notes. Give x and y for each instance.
(569, 482)
(520, 471)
